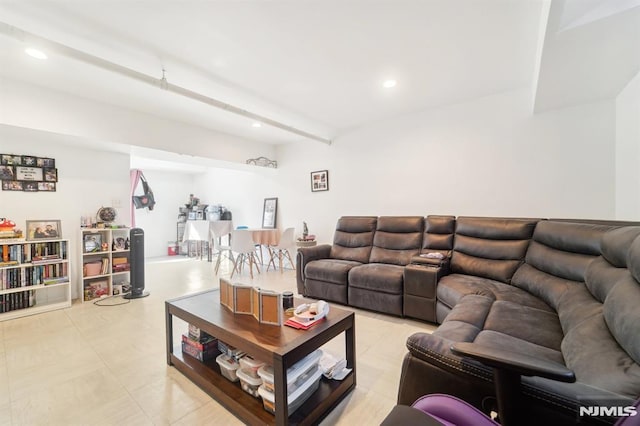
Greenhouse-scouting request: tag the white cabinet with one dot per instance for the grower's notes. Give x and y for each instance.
(35, 277)
(105, 262)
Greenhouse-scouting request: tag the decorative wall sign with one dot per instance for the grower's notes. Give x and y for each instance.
(263, 162)
(28, 173)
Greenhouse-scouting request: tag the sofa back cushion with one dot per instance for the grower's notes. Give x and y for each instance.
(490, 247)
(621, 307)
(438, 234)
(397, 239)
(605, 271)
(558, 257)
(353, 238)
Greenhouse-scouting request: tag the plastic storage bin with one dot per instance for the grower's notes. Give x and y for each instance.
(249, 383)
(228, 367)
(251, 366)
(295, 399)
(297, 374)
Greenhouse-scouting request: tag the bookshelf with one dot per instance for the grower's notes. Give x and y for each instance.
(105, 262)
(35, 277)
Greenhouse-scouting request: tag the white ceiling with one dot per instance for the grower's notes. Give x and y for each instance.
(318, 65)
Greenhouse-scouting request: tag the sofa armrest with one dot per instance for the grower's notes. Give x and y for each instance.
(508, 367)
(520, 363)
(429, 261)
(306, 255)
(420, 286)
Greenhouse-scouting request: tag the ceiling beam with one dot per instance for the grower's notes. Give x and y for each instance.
(161, 83)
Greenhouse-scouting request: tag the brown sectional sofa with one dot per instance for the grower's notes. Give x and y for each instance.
(567, 292)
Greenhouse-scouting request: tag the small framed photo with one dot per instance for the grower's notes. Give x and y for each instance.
(29, 161)
(11, 160)
(43, 229)
(7, 173)
(12, 185)
(46, 162)
(51, 175)
(30, 186)
(92, 242)
(320, 181)
(47, 186)
(119, 243)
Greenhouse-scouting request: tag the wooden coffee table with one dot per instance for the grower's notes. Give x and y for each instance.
(281, 346)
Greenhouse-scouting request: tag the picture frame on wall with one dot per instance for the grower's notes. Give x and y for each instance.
(320, 181)
(7, 173)
(46, 162)
(50, 175)
(47, 186)
(12, 185)
(10, 160)
(43, 229)
(269, 213)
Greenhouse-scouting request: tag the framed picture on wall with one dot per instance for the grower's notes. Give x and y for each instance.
(7, 173)
(320, 181)
(51, 175)
(269, 212)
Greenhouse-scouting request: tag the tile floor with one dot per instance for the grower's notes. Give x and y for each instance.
(91, 365)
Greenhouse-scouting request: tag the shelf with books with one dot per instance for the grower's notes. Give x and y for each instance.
(34, 277)
(105, 259)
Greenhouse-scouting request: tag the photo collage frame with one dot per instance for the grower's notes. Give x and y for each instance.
(28, 173)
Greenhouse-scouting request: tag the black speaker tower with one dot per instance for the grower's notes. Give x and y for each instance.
(136, 260)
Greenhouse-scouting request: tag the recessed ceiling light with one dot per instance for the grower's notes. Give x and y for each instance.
(388, 84)
(256, 124)
(35, 53)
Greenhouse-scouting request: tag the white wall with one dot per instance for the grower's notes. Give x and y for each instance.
(628, 151)
(87, 180)
(241, 190)
(490, 156)
(171, 191)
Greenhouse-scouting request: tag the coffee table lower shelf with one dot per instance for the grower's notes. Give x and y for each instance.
(208, 377)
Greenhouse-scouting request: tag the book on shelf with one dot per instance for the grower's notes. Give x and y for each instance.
(9, 263)
(121, 268)
(105, 266)
(43, 259)
(55, 280)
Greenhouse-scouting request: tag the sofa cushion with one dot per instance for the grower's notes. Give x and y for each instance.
(397, 239)
(557, 258)
(616, 243)
(353, 238)
(438, 234)
(377, 277)
(452, 288)
(537, 326)
(597, 359)
(330, 270)
(622, 314)
(490, 247)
